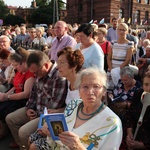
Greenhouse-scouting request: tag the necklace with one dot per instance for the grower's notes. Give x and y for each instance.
(90, 115)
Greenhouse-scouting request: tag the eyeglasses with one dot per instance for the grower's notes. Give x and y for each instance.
(61, 63)
(3, 41)
(39, 70)
(32, 31)
(122, 30)
(86, 88)
(99, 33)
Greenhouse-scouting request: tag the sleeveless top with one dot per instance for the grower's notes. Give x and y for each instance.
(119, 52)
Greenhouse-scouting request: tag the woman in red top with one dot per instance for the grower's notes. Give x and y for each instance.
(105, 45)
(18, 95)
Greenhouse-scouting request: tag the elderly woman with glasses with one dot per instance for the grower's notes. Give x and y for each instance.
(91, 124)
(123, 92)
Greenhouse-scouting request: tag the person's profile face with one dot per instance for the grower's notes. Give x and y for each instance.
(63, 66)
(4, 43)
(38, 71)
(146, 84)
(83, 38)
(19, 66)
(148, 35)
(148, 52)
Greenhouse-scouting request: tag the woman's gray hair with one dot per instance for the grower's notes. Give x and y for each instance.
(127, 71)
(91, 71)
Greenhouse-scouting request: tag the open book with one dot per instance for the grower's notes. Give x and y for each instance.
(56, 124)
(42, 118)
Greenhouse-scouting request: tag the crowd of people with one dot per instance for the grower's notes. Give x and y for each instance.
(96, 75)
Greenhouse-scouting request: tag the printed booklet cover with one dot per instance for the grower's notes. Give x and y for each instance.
(56, 124)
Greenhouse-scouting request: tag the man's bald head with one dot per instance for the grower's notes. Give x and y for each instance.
(60, 28)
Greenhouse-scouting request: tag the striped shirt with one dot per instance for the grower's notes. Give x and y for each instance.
(119, 52)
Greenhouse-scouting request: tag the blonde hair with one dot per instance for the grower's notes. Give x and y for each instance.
(146, 41)
(124, 25)
(39, 29)
(102, 29)
(95, 26)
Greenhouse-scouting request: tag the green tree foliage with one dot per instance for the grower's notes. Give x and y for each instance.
(13, 20)
(48, 2)
(44, 12)
(3, 10)
(41, 15)
(42, 3)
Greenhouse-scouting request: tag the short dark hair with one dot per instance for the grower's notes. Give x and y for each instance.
(114, 19)
(19, 56)
(4, 53)
(86, 28)
(38, 58)
(74, 57)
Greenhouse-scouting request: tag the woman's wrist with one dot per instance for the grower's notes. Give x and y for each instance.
(5, 97)
(8, 97)
(129, 132)
(78, 147)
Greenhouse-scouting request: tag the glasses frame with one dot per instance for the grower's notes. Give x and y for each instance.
(86, 88)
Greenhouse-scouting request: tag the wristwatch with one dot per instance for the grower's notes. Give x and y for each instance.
(8, 98)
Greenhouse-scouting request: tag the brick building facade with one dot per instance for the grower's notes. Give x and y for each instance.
(81, 11)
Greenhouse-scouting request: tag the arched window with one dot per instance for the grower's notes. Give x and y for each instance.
(121, 13)
(137, 17)
(139, 1)
(146, 1)
(146, 15)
